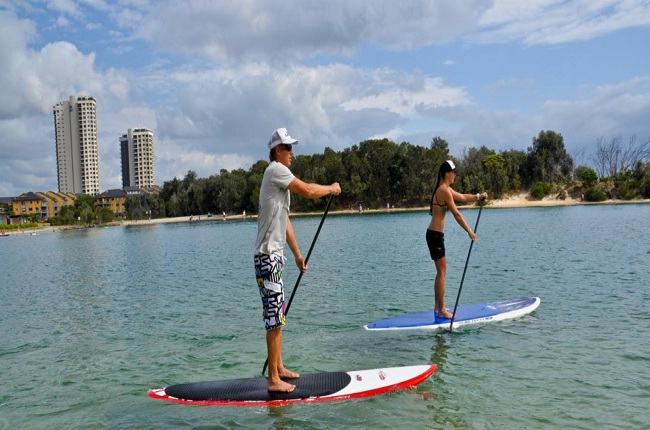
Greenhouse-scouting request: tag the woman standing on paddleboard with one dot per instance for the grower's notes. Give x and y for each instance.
(442, 201)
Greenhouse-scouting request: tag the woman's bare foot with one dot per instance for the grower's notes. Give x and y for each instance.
(280, 386)
(288, 374)
(444, 314)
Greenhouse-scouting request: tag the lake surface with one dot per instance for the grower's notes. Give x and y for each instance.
(92, 319)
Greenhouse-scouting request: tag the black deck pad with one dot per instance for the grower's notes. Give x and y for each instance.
(254, 389)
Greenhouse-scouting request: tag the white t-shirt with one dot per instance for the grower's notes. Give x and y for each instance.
(273, 211)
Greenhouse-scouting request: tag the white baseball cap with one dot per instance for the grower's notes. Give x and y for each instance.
(281, 136)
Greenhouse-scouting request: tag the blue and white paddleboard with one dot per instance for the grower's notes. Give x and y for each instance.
(465, 315)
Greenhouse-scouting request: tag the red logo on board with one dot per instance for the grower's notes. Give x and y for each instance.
(359, 378)
(382, 375)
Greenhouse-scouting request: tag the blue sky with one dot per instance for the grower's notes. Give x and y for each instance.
(213, 79)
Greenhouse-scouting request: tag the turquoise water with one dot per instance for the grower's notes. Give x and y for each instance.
(92, 319)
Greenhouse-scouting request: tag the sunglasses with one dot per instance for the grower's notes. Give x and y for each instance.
(285, 146)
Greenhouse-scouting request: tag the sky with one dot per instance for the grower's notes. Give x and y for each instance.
(214, 78)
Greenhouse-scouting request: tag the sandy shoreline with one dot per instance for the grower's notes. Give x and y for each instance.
(521, 200)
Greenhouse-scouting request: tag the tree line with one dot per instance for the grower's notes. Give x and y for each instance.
(378, 172)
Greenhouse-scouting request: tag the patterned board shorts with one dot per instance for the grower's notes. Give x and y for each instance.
(268, 271)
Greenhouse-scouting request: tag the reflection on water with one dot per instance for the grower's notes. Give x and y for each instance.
(440, 349)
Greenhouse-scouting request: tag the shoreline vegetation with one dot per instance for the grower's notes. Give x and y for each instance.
(521, 200)
(384, 176)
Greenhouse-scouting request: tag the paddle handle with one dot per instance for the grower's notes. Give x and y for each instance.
(465, 269)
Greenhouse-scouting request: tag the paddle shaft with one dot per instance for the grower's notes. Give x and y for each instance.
(295, 288)
(465, 269)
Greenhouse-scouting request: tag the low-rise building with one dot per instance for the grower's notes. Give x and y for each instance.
(43, 205)
(115, 200)
(47, 205)
(28, 204)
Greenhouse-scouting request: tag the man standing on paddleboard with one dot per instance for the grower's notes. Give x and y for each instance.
(443, 200)
(274, 230)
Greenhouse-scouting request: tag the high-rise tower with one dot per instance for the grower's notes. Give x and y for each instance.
(77, 153)
(136, 148)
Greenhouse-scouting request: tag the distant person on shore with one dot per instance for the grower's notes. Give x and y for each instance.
(274, 230)
(443, 200)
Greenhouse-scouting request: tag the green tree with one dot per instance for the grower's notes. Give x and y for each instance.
(174, 206)
(589, 177)
(495, 167)
(231, 191)
(420, 168)
(473, 172)
(515, 161)
(334, 170)
(196, 197)
(104, 215)
(251, 196)
(84, 201)
(133, 207)
(66, 216)
(547, 160)
(84, 209)
(438, 153)
(378, 153)
(155, 205)
(354, 187)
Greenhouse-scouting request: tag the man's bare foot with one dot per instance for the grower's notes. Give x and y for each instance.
(280, 387)
(288, 374)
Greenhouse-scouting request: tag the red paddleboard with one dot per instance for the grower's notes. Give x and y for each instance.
(318, 387)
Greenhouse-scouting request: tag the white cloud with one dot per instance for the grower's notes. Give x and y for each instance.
(174, 161)
(213, 79)
(68, 7)
(335, 105)
(603, 111)
(35, 80)
(430, 93)
(281, 32)
(557, 21)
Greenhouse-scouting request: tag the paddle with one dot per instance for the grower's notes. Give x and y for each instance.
(295, 288)
(465, 270)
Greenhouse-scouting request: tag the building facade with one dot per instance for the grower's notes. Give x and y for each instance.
(115, 200)
(136, 148)
(77, 152)
(42, 205)
(28, 204)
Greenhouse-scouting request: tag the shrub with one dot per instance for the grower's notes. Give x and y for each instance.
(645, 188)
(539, 190)
(24, 226)
(594, 194)
(624, 190)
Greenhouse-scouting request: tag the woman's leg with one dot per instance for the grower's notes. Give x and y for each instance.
(441, 272)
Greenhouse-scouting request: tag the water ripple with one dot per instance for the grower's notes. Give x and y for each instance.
(93, 318)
